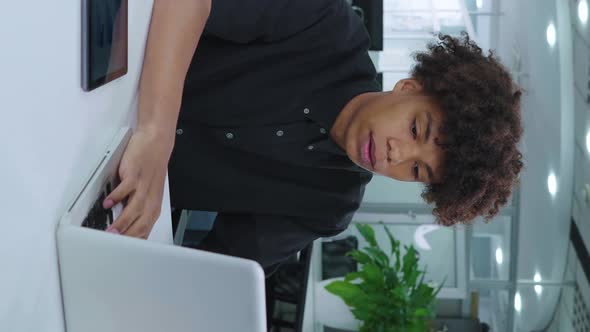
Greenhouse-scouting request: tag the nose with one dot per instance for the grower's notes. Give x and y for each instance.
(399, 152)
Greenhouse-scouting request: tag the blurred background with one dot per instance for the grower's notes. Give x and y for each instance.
(526, 270)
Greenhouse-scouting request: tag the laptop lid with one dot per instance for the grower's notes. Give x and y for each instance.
(117, 283)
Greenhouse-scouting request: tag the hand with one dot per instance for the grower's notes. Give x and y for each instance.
(142, 172)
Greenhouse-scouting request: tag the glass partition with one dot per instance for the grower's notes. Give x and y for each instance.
(491, 252)
(493, 308)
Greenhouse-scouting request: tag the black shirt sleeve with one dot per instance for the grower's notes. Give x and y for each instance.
(267, 239)
(245, 21)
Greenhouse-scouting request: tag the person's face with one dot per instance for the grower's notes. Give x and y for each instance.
(394, 135)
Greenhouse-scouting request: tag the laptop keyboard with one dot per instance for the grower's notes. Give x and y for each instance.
(98, 217)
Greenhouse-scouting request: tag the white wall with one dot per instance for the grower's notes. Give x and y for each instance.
(52, 134)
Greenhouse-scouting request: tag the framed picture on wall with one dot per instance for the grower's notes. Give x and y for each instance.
(104, 41)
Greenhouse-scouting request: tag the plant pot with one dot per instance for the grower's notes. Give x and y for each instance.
(330, 310)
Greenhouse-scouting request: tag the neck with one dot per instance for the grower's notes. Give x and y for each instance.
(345, 117)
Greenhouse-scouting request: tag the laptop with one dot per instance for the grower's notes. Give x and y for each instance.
(113, 282)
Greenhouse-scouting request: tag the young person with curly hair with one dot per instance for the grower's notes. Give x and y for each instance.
(276, 123)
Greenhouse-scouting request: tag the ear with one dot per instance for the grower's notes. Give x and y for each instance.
(407, 86)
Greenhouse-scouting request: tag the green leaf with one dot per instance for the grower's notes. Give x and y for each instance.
(366, 327)
(346, 291)
(422, 276)
(378, 256)
(391, 279)
(361, 301)
(419, 326)
(373, 274)
(380, 328)
(412, 277)
(353, 276)
(410, 262)
(359, 256)
(400, 294)
(398, 261)
(368, 233)
(422, 312)
(422, 296)
(392, 241)
(360, 313)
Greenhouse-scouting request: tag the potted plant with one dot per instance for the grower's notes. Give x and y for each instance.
(388, 293)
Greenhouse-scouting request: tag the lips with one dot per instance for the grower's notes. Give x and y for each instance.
(368, 153)
(372, 151)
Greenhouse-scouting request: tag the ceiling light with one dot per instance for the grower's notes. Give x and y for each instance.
(552, 184)
(583, 11)
(479, 4)
(588, 142)
(551, 35)
(538, 288)
(517, 302)
(499, 256)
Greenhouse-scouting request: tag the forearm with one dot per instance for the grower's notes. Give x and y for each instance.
(174, 32)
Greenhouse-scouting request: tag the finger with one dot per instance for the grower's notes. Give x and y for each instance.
(122, 191)
(130, 213)
(123, 222)
(142, 227)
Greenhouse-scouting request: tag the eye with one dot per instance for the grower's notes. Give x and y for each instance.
(415, 170)
(413, 129)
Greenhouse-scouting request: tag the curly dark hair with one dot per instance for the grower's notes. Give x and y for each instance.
(480, 130)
